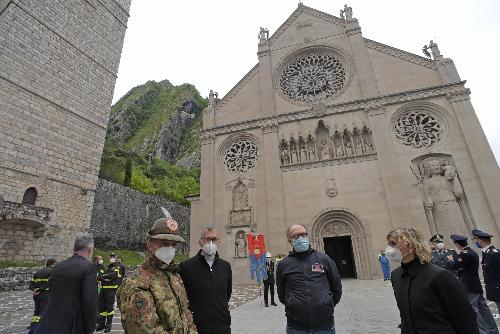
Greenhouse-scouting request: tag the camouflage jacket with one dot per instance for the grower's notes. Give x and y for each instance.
(154, 301)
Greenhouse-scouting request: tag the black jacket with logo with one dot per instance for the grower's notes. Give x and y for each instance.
(40, 280)
(208, 290)
(431, 300)
(309, 286)
(491, 272)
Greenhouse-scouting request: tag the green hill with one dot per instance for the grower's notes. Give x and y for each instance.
(153, 140)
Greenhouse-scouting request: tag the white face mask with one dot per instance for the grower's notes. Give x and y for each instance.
(209, 248)
(165, 254)
(440, 245)
(112, 260)
(101, 261)
(393, 254)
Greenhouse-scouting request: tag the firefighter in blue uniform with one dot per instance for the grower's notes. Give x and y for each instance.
(110, 281)
(39, 284)
(467, 265)
(490, 262)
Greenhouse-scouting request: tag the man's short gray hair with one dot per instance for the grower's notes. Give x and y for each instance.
(83, 242)
(206, 229)
(290, 227)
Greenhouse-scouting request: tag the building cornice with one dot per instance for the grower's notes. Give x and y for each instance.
(331, 109)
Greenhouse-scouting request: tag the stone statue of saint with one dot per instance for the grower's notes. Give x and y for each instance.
(325, 150)
(425, 50)
(240, 245)
(302, 151)
(368, 145)
(293, 153)
(285, 158)
(263, 35)
(346, 13)
(357, 147)
(441, 199)
(240, 196)
(348, 148)
(338, 151)
(311, 145)
(434, 50)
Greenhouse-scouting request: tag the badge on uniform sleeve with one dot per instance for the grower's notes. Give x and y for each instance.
(318, 268)
(139, 304)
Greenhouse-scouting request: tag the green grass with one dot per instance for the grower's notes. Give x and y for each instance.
(130, 258)
(9, 264)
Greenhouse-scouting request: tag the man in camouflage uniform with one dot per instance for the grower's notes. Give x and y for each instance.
(154, 300)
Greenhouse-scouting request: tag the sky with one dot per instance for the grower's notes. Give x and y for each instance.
(213, 44)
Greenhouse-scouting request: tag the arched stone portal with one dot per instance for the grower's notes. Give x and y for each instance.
(342, 222)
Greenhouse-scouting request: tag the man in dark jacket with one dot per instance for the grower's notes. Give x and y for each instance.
(467, 264)
(208, 282)
(111, 280)
(490, 261)
(39, 284)
(72, 306)
(308, 285)
(269, 281)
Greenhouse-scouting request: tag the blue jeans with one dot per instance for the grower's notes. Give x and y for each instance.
(299, 331)
(485, 319)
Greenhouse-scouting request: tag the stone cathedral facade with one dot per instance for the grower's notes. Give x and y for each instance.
(58, 66)
(348, 136)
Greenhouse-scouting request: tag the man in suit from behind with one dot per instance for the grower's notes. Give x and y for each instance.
(72, 306)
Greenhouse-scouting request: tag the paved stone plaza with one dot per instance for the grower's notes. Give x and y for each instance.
(366, 307)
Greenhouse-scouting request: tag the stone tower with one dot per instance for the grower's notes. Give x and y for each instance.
(58, 65)
(347, 136)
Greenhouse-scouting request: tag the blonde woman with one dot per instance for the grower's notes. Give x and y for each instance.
(430, 299)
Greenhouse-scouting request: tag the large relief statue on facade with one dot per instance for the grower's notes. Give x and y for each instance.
(241, 213)
(443, 197)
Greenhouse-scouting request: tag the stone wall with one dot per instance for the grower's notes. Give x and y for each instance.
(59, 62)
(122, 216)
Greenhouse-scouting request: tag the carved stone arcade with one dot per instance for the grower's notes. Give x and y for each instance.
(343, 145)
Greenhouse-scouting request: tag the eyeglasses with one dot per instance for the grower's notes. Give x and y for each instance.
(296, 236)
(214, 240)
(391, 243)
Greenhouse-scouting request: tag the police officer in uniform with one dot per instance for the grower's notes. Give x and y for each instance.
(440, 253)
(269, 281)
(490, 262)
(467, 264)
(110, 281)
(39, 284)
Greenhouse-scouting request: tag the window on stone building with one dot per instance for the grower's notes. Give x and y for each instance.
(30, 196)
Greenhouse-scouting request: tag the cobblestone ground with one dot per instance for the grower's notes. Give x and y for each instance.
(366, 307)
(16, 308)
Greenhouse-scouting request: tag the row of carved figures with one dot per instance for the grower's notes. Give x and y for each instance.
(323, 147)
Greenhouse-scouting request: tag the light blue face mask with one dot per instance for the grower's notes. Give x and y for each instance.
(300, 244)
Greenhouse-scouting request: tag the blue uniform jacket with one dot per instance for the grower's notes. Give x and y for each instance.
(467, 264)
(491, 272)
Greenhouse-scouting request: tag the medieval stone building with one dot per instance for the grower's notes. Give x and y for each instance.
(58, 66)
(348, 136)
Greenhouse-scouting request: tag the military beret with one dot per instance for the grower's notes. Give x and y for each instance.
(457, 237)
(436, 237)
(481, 234)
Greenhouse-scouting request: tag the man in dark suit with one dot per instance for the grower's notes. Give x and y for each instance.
(490, 261)
(72, 306)
(467, 265)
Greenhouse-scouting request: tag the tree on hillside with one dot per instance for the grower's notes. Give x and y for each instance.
(128, 173)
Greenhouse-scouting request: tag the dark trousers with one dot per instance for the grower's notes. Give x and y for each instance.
(40, 302)
(106, 302)
(268, 287)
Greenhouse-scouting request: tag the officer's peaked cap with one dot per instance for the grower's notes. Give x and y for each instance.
(481, 234)
(457, 237)
(165, 229)
(436, 237)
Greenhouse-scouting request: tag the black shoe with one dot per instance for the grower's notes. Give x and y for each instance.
(266, 305)
(274, 304)
(100, 328)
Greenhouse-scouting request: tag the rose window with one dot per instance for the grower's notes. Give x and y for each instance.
(313, 78)
(418, 129)
(241, 156)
